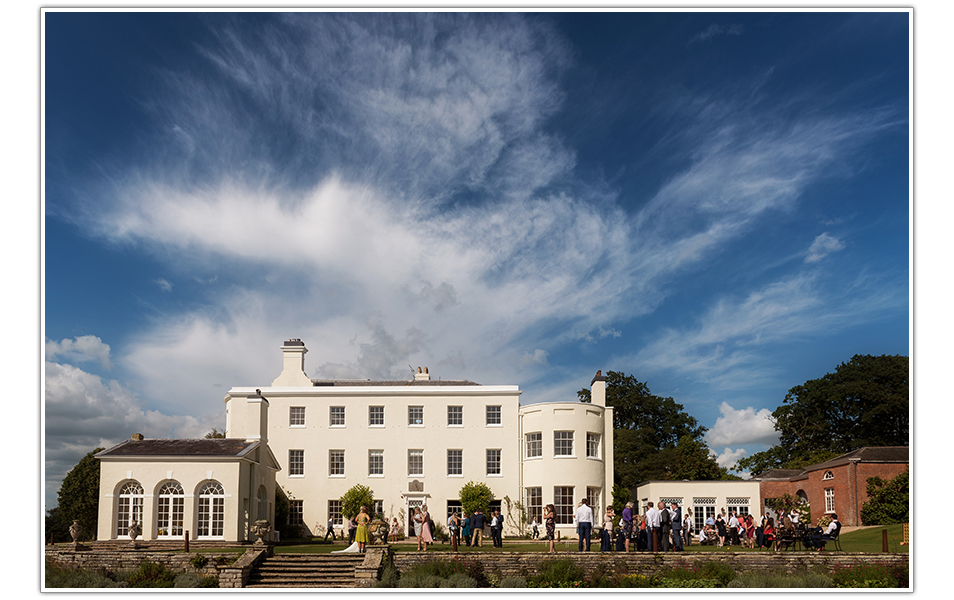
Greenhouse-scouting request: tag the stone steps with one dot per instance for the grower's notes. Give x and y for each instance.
(305, 571)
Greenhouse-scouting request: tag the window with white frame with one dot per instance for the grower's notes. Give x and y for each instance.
(296, 462)
(592, 445)
(336, 416)
(171, 508)
(415, 415)
(493, 415)
(336, 462)
(829, 500)
(535, 504)
(455, 462)
(740, 506)
(562, 443)
(415, 462)
(296, 513)
(702, 509)
(375, 462)
(564, 505)
(455, 416)
(534, 445)
(334, 512)
(828, 475)
(211, 519)
(296, 416)
(129, 507)
(376, 416)
(593, 500)
(493, 461)
(378, 508)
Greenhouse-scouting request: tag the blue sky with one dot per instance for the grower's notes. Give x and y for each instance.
(716, 203)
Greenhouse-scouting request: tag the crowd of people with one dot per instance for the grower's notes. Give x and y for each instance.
(663, 528)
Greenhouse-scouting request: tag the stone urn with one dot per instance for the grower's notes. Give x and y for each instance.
(76, 530)
(261, 529)
(134, 530)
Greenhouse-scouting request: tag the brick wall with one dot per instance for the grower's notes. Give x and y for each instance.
(849, 488)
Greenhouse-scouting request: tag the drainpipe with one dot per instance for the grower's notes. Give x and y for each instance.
(520, 458)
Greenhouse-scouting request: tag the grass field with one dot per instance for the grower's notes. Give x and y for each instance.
(863, 540)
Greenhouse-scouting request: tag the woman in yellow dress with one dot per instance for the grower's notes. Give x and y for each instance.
(361, 535)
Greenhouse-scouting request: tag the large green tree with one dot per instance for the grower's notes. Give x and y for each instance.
(863, 403)
(647, 429)
(888, 502)
(78, 497)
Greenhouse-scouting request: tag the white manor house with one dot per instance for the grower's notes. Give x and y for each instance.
(412, 442)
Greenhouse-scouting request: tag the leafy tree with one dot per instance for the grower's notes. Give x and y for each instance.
(647, 429)
(694, 462)
(356, 497)
(475, 496)
(863, 403)
(55, 524)
(215, 434)
(78, 496)
(888, 501)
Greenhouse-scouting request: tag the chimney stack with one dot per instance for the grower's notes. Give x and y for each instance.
(422, 375)
(598, 389)
(293, 365)
(137, 437)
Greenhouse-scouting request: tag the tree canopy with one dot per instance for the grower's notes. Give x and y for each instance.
(78, 497)
(647, 430)
(888, 501)
(356, 497)
(475, 495)
(863, 403)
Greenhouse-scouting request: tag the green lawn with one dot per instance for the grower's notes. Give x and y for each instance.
(865, 540)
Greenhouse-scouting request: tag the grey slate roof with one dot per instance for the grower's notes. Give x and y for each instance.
(201, 447)
(368, 383)
(868, 454)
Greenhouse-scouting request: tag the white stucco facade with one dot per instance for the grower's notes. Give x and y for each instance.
(419, 441)
(703, 498)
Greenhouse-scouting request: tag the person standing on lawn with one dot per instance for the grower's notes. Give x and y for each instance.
(675, 519)
(477, 522)
(652, 525)
(584, 518)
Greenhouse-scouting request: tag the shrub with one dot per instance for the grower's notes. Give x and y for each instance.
(455, 572)
(638, 581)
(513, 582)
(56, 576)
(187, 580)
(880, 575)
(389, 577)
(562, 572)
(199, 560)
(778, 579)
(151, 575)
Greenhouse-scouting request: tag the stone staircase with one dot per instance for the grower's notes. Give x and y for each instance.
(306, 571)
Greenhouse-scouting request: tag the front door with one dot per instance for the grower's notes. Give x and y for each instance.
(412, 503)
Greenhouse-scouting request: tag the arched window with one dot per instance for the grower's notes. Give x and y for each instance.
(170, 510)
(129, 508)
(829, 475)
(211, 511)
(262, 503)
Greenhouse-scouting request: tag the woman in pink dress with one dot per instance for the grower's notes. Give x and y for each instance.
(426, 536)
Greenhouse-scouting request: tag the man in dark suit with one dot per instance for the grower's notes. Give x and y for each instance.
(496, 529)
(675, 515)
(665, 526)
(477, 522)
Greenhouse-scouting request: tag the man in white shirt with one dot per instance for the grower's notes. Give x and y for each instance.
(584, 521)
(733, 529)
(652, 523)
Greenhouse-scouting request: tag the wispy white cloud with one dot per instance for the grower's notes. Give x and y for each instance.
(728, 457)
(715, 30)
(164, 285)
(84, 348)
(397, 182)
(823, 245)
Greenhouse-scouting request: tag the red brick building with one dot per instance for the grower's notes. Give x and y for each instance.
(838, 485)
